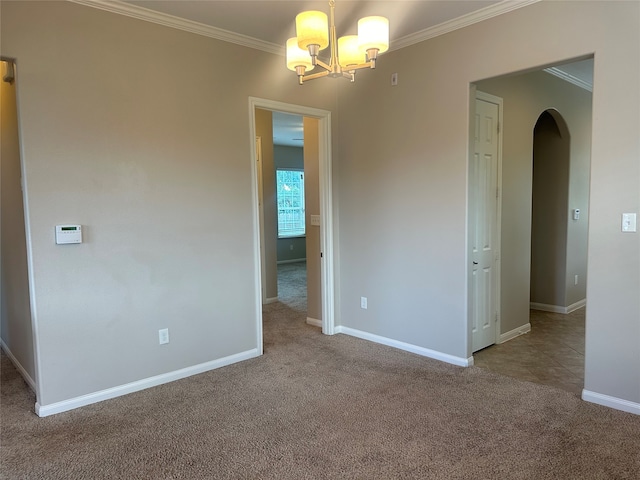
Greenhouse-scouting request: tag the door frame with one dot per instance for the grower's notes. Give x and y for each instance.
(258, 162)
(478, 95)
(327, 263)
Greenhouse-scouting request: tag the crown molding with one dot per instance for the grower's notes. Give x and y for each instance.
(141, 13)
(569, 78)
(464, 21)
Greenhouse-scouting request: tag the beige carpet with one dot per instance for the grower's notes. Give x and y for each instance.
(317, 407)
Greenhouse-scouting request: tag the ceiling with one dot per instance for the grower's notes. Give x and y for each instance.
(266, 25)
(272, 22)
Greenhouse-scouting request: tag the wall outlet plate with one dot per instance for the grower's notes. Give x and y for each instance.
(163, 336)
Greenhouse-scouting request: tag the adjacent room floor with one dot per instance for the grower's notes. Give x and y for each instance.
(551, 354)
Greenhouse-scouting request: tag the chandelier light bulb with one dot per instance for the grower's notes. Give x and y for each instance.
(296, 56)
(349, 51)
(312, 28)
(373, 34)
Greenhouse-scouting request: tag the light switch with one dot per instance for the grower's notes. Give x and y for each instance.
(629, 222)
(315, 220)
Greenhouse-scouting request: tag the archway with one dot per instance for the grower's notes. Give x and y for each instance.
(550, 196)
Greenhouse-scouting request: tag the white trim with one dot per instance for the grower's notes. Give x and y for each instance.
(141, 13)
(293, 260)
(569, 78)
(611, 402)
(328, 260)
(269, 300)
(557, 308)
(407, 347)
(18, 365)
(147, 15)
(314, 321)
(259, 167)
(516, 332)
(457, 23)
(109, 393)
(326, 208)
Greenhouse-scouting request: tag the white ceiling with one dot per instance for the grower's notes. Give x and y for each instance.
(266, 25)
(274, 21)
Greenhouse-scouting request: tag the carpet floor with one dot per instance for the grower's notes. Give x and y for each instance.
(320, 407)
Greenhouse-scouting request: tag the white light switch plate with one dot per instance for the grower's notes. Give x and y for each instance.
(315, 220)
(629, 222)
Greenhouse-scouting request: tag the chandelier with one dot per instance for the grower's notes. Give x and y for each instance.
(348, 53)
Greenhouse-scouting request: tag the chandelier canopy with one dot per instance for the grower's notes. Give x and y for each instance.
(314, 32)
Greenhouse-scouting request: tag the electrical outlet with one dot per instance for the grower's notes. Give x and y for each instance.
(163, 336)
(363, 303)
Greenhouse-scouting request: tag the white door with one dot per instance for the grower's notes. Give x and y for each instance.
(484, 204)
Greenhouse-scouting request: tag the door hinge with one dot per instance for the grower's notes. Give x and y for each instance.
(498, 126)
(320, 254)
(497, 192)
(496, 317)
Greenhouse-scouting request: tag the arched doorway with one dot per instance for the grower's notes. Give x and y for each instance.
(550, 196)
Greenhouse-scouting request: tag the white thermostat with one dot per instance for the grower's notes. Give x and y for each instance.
(68, 234)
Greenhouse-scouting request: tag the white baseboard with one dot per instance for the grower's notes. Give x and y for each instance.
(611, 402)
(269, 300)
(516, 332)
(576, 306)
(314, 321)
(66, 405)
(557, 308)
(18, 365)
(425, 352)
(293, 260)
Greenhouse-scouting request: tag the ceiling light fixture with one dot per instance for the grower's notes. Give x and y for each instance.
(348, 53)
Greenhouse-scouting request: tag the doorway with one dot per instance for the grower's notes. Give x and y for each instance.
(16, 325)
(549, 207)
(527, 97)
(319, 125)
(484, 221)
(295, 166)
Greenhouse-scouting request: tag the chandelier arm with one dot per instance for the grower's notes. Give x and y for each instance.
(362, 65)
(320, 63)
(306, 78)
(351, 75)
(334, 63)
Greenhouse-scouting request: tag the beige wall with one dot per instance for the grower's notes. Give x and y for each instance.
(135, 131)
(525, 97)
(402, 174)
(15, 326)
